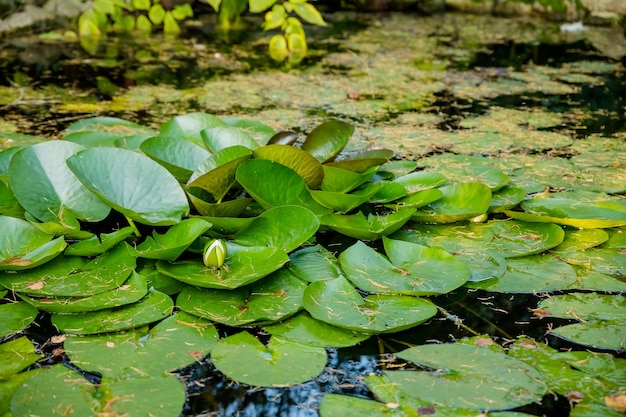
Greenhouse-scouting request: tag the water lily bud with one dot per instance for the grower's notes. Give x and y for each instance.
(214, 253)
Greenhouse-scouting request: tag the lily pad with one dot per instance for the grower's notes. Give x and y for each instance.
(506, 198)
(372, 227)
(243, 265)
(177, 341)
(607, 261)
(132, 290)
(281, 363)
(465, 376)
(24, 246)
(153, 307)
(420, 181)
(585, 306)
(362, 160)
(580, 240)
(337, 303)
(532, 274)
(309, 168)
(314, 263)
(45, 186)
(343, 202)
(260, 131)
(282, 227)
(304, 329)
(417, 200)
(15, 317)
(188, 126)
(517, 238)
(72, 276)
(272, 299)
(172, 244)
(179, 156)
(458, 202)
(16, 355)
(414, 269)
(221, 137)
(609, 334)
(97, 245)
(328, 139)
(273, 184)
(131, 183)
(339, 180)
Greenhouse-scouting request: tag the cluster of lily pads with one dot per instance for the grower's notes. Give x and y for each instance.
(138, 242)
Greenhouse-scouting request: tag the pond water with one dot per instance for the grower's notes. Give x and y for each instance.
(410, 83)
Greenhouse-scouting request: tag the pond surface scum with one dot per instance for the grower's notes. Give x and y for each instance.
(473, 98)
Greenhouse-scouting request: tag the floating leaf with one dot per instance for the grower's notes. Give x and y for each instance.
(21, 243)
(339, 180)
(362, 160)
(108, 132)
(275, 298)
(304, 329)
(15, 317)
(258, 130)
(133, 289)
(506, 198)
(44, 185)
(609, 334)
(172, 244)
(532, 274)
(414, 269)
(279, 364)
(607, 261)
(177, 341)
(273, 184)
(585, 306)
(221, 137)
(282, 227)
(344, 203)
(153, 307)
(337, 303)
(188, 126)
(458, 202)
(244, 265)
(97, 245)
(298, 160)
(179, 156)
(421, 180)
(328, 139)
(371, 227)
(467, 376)
(72, 276)
(15, 355)
(417, 200)
(132, 184)
(314, 263)
(517, 238)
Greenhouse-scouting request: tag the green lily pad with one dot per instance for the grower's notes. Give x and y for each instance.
(344, 203)
(420, 181)
(24, 246)
(72, 276)
(177, 341)
(15, 317)
(188, 126)
(282, 227)
(157, 280)
(517, 238)
(153, 307)
(344, 405)
(414, 269)
(216, 175)
(304, 329)
(221, 137)
(258, 130)
(596, 281)
(490, 176)
(314, 263)
(337, 303)
(132, 290)
(390, 191)
(131, 183)
(460, 201)
(281, 363)
(309, 168)
(328, 139)
(172, 244)
(97, 245)
(361, 160)
(532, 274)
(272, 299)
(179, 156)
(506, 198)
(107, 131)
(607, 261)
(45, 186)
(585, 306)
(372, 227)
(272, 184)
(338, 180)
(465, 376)
(16, 355)
(243, 265)
(605, 334)
(580, 240)
(52, 393)
(417, 200)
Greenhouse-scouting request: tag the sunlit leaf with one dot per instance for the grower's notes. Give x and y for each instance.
(328, 139)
